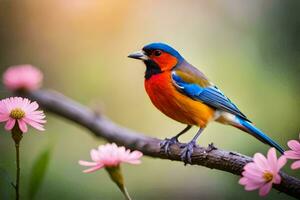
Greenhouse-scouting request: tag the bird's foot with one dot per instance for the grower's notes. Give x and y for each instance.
(210, 147)
(166, 144)
(187, 151)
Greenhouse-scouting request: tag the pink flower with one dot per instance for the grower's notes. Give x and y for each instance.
(22, 77)
(294, 153)
(110, 155)
(262, 172)
(22, 111)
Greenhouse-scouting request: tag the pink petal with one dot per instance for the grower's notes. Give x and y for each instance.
(111, 155)
(272, 159)
(277, 179)
(32, 107)
(132, 158)
(292, 154)
(10, 124)
(92, 169)
(22, 76)
(39, 121)
(243, 181)
(251, 187)
(252, 175)
(296, 165)
(35, 115)
(281, 162)
(136, 154)
(253, 169)
(3, 107)
(294, 145)
(37, 126)
(265, 189)
(34, 118)
(86, 163)
(94, 155)
(22, 125)
(4, 117)
(261, 161)
(251, 165)
(34, 124)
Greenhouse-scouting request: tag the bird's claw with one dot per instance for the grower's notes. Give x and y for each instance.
(187, 151)
(166, 144)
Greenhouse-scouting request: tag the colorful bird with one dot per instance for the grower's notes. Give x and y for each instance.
(185, 94)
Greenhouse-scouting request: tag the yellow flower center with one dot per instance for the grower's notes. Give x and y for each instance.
(268, 176)
(17, 113)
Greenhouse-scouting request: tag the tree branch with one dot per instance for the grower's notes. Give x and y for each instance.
(101, 126)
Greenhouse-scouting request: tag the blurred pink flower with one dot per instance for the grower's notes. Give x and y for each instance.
(22, 77)
(294, 153)
(110, 155)
(22, 111)
(262, 172)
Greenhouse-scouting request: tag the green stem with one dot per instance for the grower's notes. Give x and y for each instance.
(125, 192)
(116, 175)
(17, 136)
(18, 171)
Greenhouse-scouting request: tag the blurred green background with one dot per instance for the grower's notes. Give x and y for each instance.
(250, 49)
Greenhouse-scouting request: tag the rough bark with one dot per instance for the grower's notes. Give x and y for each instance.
(103, 127)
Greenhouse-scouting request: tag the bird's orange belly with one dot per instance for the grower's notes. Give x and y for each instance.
(176, 105)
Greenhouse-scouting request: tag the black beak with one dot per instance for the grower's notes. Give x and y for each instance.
(140, 55)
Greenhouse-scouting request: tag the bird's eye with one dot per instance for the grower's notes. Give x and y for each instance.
(157, 52)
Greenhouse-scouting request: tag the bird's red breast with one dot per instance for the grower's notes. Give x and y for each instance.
(175, 105)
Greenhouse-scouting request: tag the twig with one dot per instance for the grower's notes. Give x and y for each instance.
(101, 126)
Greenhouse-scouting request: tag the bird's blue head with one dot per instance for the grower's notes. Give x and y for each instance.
(150, 48)
(158, 57)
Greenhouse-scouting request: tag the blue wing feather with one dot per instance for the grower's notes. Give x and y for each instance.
(211, 95)
(260, 135)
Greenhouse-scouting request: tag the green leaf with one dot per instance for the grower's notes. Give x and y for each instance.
(38, 172)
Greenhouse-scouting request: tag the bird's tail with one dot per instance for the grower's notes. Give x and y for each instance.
(250, 128)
